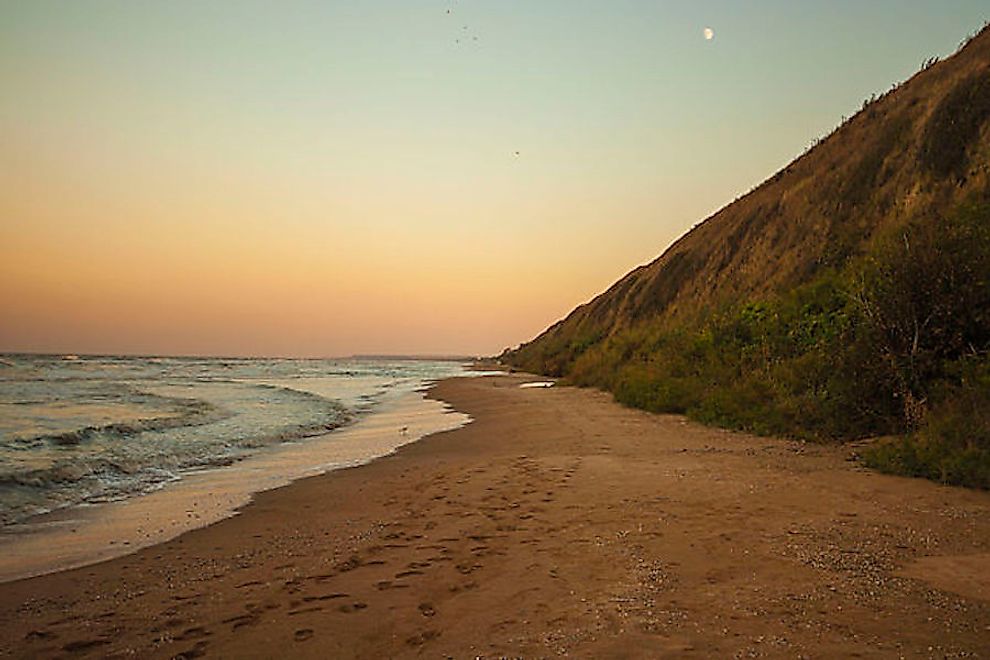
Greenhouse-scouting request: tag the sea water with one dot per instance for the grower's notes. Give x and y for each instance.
(86, 430)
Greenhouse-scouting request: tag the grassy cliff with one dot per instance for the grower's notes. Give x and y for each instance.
(848, 296)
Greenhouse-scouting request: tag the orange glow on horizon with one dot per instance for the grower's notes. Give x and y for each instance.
(200, 178)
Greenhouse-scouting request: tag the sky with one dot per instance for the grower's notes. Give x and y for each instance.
(405, 177)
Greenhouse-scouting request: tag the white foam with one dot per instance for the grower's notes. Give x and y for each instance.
(80, 536)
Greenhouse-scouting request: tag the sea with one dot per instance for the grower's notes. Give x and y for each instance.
(79, 432)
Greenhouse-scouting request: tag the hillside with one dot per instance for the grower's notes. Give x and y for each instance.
(915, 152)
(846, 296)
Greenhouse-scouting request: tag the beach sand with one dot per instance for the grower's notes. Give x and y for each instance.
(557, 522)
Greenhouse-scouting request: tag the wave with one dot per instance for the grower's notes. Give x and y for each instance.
(194, 413)
(105, 428)
(96, 477)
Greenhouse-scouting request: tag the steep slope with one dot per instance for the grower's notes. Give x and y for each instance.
(916, 152)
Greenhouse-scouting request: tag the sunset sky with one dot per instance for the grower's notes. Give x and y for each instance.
(329, 178)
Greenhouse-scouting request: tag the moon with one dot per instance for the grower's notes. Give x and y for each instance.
(709, 33)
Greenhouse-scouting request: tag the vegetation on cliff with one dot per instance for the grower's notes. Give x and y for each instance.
(877, 324)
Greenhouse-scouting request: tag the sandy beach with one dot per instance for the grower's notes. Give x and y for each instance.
(556, 523)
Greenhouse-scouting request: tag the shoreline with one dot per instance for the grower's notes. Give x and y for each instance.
(556, 522)
(81, 535)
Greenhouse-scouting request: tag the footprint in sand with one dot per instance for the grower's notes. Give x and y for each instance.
(194, 633)
(84, 645)
(334, 596)
(252, 583)
(197, 651)
(441, 558)
(467, 586)
(422, 638)
(305, 610)
(388, 584)
(241, 620)
(322, 577)
(39, 635)
(349, 565)
(181, 597)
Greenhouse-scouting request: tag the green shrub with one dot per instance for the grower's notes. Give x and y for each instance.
(749, 404)
(924, 294)
(896, 342)
(953, 445)
(650, 390)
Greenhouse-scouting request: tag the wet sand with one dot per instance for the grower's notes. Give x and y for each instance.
(556, 523)
(79, 536)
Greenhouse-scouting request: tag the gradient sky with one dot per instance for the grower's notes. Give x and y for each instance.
(328, 178)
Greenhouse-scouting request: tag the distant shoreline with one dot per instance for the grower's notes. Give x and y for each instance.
(383, 356)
